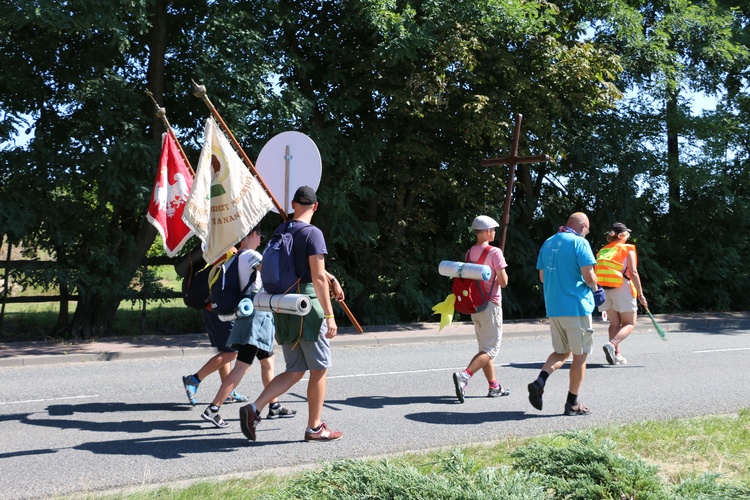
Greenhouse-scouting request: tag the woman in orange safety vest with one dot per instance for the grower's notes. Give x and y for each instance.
(617, 271)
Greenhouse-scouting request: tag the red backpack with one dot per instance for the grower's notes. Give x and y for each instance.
(470, 295)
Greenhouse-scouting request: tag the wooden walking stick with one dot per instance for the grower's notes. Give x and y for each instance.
(199, 91)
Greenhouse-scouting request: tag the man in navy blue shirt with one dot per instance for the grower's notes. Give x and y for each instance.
(304, 340)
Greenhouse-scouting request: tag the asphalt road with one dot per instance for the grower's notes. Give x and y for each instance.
(95, 426)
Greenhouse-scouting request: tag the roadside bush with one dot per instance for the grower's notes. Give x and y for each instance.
(572, 466)
(386, 479)
(707, 486)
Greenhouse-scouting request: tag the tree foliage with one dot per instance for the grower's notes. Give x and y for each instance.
(403, 99)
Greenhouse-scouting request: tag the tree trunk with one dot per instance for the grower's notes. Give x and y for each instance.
(530, 191)
(63, 315)
(156, 62)
(94, 315)
(673, 151)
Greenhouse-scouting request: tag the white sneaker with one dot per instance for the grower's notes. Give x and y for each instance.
(620, 360)
(460, 380)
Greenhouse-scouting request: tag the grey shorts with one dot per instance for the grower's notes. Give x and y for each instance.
(308, 355)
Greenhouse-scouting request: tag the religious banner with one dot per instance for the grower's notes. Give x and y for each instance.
(171, 190)
(226, 200)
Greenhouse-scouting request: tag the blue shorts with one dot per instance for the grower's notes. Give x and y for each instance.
(218, 331)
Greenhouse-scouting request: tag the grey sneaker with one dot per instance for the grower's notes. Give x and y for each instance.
(609, 352)
(460, 380)
(496, 392)
(191, 387)
(214, 418)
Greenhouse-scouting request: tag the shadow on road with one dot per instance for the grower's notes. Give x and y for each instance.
(379, 402)
(455, 418)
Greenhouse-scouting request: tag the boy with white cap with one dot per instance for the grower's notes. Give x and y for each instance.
(488, 323)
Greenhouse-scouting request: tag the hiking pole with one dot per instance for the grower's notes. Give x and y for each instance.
(199, 91)
(656, 325)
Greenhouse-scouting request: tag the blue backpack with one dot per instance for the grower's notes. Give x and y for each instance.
(278, 273)
(225, 287)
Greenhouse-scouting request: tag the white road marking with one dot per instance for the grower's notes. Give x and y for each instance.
(723, 350)
(85, 396)
(407, 372)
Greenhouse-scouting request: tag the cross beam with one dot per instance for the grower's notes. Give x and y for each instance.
(512, 161)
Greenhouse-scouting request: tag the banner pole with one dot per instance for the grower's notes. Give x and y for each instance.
(199, 91)
(162, 114)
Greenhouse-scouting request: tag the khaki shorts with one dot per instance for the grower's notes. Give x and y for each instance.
(488, 327)
(619, 299)
(572, 334)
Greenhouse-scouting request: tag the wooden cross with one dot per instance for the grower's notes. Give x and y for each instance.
(512, 161)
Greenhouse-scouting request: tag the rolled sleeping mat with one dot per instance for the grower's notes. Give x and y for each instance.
(244, 308)
(289, 303)
(464, 270)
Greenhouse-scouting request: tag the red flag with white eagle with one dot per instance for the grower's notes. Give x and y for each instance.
(171, 191)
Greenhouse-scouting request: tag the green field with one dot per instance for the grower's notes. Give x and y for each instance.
(36, 321)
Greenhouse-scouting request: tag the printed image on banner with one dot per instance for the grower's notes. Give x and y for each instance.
(226, 200)
(170, 194)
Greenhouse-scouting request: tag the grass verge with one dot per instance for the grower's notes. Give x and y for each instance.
(698, 458)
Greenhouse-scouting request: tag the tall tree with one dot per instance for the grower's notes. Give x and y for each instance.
(79, 80)
(671, 49)
(404, 99)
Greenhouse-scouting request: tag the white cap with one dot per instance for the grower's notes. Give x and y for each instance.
(484, 222)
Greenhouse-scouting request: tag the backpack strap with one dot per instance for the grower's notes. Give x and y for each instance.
(481, 257)
(481, 261)
(298, 226)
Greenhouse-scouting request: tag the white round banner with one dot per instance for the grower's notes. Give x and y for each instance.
(287, 161)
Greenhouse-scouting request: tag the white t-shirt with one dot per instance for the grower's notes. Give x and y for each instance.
(247, 261)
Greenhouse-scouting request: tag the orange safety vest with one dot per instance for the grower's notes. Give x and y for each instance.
(610, 263)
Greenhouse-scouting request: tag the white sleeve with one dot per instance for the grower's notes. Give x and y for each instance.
(248, 261)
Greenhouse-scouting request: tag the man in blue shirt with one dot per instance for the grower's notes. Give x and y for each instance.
(566, 268)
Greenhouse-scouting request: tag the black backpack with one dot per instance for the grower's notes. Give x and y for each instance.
(194, 270)
(225, 286)
(278, 273)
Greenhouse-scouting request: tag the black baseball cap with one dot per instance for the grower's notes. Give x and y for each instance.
(305, 195)
(619, 227)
